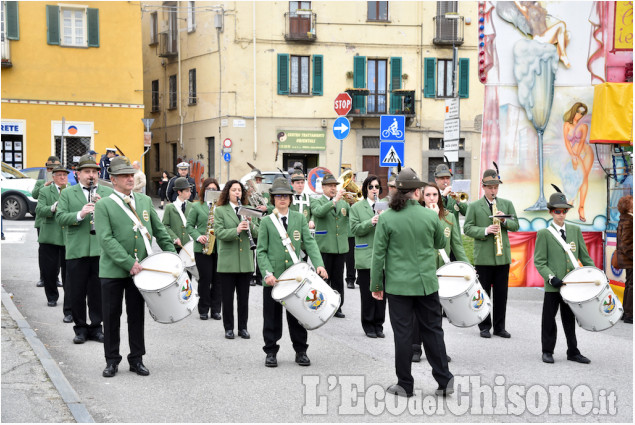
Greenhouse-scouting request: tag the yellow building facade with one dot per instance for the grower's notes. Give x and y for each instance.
(266, 74)
(74, 61)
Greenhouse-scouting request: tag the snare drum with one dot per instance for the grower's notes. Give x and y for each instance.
(171, 296)
(463, 298)
(187, 255)
(596, 307)
(307, 297)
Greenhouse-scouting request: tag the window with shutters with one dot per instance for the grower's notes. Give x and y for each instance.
(76, 26)
(376, 103)
(155, 95)
(294, 74)
(438, 78)
(154, 28)
(377, 10)
(172, 92)
(444, 78)
(192, 93)
(299, 74)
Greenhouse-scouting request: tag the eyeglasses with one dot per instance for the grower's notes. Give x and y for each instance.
(280, 196)
(374, 186)
(560, 211)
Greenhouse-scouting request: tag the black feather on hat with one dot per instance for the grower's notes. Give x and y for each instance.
(398, 166)
(445, 158)
(556, 187)
(497, 172)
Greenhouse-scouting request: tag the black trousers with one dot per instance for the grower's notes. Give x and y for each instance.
(209, 286)
(427, 311)
(498, 278)
(112, 295)
(272, 327)
(628, 294)
(373, 311)
(334, 265)
(239, 283)
(350, 261)
(52, 259)
(83, 279)
(549, 330)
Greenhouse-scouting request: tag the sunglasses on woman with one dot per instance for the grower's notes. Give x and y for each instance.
(374, 186)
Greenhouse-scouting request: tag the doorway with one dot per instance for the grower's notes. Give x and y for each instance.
(371, 164)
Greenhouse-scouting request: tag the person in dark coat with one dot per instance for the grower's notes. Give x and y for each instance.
(625, 252)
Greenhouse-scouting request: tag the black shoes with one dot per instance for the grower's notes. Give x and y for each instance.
(244, 334)
(371, 334)
(380, 334)
(60, 284)
(229, 334)
(503, 334)
(52, 303)
(416, 357)
(110, 371)
(302, 359)
(628, 320)
(98, 337)
(203, 316)
(350, 285)
(398, 390)
(579, 358)
(79, 339)
(444, 392)
(216, 316)
(40, 284)
(139, 369)
(547, 357)
(485, 334)
(271, 360)
(68, 319)
(340, 315)
(253, 282)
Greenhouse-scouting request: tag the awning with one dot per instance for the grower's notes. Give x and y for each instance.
(612, 120)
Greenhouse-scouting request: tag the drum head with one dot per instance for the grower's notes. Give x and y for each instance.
(457, 284)
(580, 292)
(148, 280)
(283, 289)
(187, 254)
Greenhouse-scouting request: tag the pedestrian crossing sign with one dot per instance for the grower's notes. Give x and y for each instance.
(391, 153)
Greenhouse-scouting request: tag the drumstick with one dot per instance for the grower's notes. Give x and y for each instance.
(190, 255)
(466, 277)
(175, 274)
(596, 282)
(297, 278)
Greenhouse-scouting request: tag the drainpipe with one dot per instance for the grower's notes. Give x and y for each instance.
(179, 98)
(255, 74)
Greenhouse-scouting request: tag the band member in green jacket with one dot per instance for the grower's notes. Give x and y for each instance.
(200, 227)
(75, 213)
(492, 269)
(51, 163)
(330, 213)
(442, 177)
(122, 221)
(406, 239)
(175, 216)
(363, 219)
(553, 264)
(235, 258)
(301, 200)
(273, 260)
(52, 252)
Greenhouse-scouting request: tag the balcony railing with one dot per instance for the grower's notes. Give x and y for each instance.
(6, 52)
(404, 98)
(448, 30)
(167, 45)
(300, 26)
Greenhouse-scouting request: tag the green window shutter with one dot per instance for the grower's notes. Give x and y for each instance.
(359, 82)
(283, 73)
(318, 83)
(430, 81)
(464, 77)
(395, 83)
(52, 24)
(93, 27)
(12, 22)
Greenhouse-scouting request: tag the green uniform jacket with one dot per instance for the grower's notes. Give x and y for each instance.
(36, 193)
(405, 250)
(234, 255)
(50, 231)
(173, 223)
(307, 208)
(197, 224)
(550, 258)
(120, 245)
(476, 222)
(453, 240)
(331, 225)
(79, 242)
(451, 205)
(360, 218)
(273, 256)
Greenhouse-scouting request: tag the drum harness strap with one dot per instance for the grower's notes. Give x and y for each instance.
(286, 240)
(444, 256)
(565, 246)
(137, 224)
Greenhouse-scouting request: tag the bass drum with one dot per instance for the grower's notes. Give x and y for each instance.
(463, 298)
(170, 293)
(306, 296)
(593, 302)
(187, 255)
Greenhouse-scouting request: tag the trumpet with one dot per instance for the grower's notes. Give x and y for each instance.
(459, 196)
(352, 192)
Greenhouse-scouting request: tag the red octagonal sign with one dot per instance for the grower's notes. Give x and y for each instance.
(343, 104)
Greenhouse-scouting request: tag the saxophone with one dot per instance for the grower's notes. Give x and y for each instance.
(211, 238)
(498, 237)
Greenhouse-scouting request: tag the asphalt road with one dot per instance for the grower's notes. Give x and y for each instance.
(199, 376)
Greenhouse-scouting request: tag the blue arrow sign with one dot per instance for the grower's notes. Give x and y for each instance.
(392, 127)
(227, 157)
(391, 153)
(341, 128)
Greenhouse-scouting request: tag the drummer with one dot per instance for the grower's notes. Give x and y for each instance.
(453, 245)
(123, 222)
(405, 244)
(273, 260)
(175, 215)
(553, 264)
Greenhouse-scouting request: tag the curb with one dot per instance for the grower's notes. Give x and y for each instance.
(69, 396)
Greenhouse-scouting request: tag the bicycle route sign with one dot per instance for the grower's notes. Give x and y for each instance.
(392, 127)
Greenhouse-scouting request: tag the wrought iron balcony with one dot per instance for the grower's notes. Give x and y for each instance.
(300, 26)
(6, 52)
(448, 30)
(167, 45)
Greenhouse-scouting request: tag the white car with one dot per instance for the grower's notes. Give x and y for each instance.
(17, 199)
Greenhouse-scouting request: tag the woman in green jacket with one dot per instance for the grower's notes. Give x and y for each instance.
(198, 220)
(363, 219)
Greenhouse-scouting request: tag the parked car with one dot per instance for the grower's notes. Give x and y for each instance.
(17, 199)
(39, 173)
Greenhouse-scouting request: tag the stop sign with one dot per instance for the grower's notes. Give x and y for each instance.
(343, 103)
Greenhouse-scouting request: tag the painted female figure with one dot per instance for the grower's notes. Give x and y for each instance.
(575, 131)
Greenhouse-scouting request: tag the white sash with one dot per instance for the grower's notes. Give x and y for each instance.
(565, 246)
(444, 256)
(137, 224)
(286, 240)
(180, 211)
